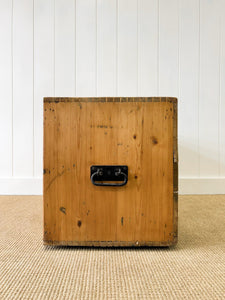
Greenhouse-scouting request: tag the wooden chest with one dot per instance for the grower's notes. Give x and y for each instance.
(110, 171)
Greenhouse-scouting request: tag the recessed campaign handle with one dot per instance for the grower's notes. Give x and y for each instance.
(101, 174)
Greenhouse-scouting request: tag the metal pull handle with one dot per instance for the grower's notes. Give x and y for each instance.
(109, 173)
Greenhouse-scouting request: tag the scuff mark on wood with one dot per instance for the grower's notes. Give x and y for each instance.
(122, 221)
(53, 179)
(63, 209)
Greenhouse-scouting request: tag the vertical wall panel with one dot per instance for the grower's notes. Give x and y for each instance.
(23, 88)
(127, 48)
(209, 87)
(106, 47)
(222, 90)
(189, 91)
(65, 48)
(43, 72)
(6, 88)
(148, 47)
(168, 48)
(109, 48)
(86, 26)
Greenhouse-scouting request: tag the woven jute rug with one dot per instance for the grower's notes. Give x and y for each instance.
(194, 269)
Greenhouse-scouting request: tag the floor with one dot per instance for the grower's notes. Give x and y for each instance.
(194, 269)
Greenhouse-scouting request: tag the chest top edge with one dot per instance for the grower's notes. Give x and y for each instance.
(110, 99)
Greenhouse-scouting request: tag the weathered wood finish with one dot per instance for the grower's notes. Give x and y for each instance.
(138, 132)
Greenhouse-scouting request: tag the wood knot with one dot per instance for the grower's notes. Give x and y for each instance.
(134, 136)
(154, 140)
(79, 223)
(63, 209)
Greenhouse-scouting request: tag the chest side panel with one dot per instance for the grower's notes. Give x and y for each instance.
(80, 134)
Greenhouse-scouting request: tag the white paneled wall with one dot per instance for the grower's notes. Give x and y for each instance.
(113, 48)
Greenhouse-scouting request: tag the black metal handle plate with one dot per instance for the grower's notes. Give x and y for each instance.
(101, 174)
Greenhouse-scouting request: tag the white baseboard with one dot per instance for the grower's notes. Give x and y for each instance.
(21, 186)
(33, 186)
(201, 186)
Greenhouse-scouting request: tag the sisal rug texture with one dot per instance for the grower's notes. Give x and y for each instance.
(194, 269)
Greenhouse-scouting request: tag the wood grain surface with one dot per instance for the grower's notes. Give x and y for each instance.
(138, 132)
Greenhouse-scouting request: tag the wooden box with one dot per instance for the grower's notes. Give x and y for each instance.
(109, 137)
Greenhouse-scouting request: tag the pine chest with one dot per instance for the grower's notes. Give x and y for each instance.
(110, 171)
